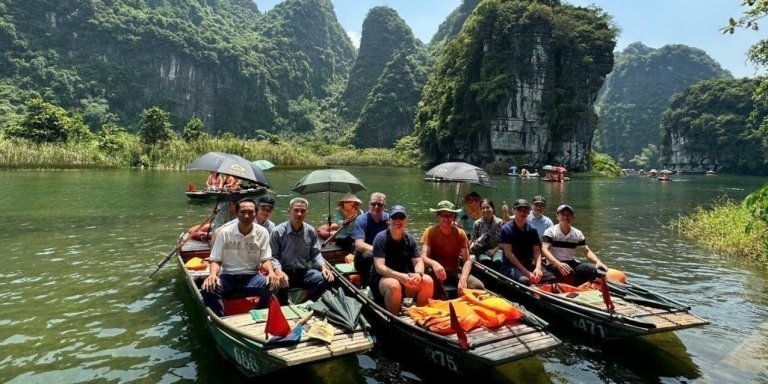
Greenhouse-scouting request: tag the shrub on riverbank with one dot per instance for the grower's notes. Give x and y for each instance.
(727, 229)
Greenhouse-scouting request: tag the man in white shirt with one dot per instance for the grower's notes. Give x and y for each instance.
(237, 255)
(559, 248)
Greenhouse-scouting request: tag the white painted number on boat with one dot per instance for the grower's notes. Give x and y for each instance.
(442, 359)
(591, 327)
(246, 360)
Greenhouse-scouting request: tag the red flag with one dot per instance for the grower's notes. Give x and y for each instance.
(456, 326)
(276, 322)
(607, 295)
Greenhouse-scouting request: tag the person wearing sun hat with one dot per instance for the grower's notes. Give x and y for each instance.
(559, 247)
(445, 251)
(398, 269)
(522, 248)
(349, 209)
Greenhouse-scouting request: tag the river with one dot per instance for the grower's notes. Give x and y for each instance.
(78, 305)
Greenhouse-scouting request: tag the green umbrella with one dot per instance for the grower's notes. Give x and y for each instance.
(328, 180)
(338, 308)
(263, 164)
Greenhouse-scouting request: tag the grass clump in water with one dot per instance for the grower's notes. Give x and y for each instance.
(729, 229)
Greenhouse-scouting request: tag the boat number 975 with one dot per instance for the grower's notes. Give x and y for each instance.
(591, 327)
(443, 359)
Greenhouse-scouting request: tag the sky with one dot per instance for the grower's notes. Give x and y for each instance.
(655, 23)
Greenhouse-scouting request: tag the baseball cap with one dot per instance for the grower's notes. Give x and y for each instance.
(539, 199)
(397, 210)
(521, 203)
(564, 207)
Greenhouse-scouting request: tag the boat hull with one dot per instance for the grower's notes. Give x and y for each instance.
(241, 339)
(486, 348)
(634, 315)
(219, 195)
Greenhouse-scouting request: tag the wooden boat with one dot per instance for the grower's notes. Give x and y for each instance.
(223, 195)
(638, 311)
(710, 173)
(487, 348)
(240, 338)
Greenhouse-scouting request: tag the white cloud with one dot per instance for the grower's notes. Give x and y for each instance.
(355, 37)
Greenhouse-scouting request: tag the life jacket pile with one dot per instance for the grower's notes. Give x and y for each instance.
(475, 308)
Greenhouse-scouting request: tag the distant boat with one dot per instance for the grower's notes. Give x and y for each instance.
(711, 173)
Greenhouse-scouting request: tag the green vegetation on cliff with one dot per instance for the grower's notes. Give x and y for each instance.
(638, 90)
(709, 125)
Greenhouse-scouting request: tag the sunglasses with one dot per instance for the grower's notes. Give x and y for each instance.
(376, 204)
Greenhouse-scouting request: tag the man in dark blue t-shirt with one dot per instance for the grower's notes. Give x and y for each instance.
(398, 270)
(367, 226)
(522, 248)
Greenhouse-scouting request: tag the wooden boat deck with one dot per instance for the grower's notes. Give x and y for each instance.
(505, 343)
(307, 349)
(660, 319)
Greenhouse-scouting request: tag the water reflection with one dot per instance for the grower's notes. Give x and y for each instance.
(76, 266)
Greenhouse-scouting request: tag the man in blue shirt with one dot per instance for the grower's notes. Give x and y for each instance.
(296, 252)
(537, 219)
(367, 226)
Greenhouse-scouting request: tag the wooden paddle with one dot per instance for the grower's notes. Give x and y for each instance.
(178, 247)
(333, 236)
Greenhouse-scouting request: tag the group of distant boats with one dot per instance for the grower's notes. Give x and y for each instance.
(662, 175)
(551, 173)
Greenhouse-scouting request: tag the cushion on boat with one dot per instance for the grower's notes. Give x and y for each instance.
(240, 305)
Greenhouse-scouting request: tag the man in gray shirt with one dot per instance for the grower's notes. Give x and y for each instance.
(296, 252)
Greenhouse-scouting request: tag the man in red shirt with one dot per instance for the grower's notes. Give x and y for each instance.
(445, 250)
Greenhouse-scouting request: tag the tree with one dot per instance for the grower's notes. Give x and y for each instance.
(155, 126)
(194, 130)
(758, 53)
(49, 123)
(648, 157)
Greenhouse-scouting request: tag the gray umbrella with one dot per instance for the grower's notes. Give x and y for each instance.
(461, 173)
(230, 164)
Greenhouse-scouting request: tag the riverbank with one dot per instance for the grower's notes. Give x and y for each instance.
(728, 229)
(127, 151)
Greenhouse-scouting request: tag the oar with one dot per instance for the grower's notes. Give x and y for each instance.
(333, 236)
(178, 247)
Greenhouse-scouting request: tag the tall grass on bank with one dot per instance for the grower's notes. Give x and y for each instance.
(176, 154)
(25, 155)
(723, 230)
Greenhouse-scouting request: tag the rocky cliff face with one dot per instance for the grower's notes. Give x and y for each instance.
(518, 85)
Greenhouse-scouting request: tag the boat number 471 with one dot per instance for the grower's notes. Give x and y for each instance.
(441, 358)
(591, 327)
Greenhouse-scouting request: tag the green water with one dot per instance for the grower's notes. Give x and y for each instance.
(78, 307)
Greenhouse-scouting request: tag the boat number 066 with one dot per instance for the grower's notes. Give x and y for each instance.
(443, 359)
(591, 327)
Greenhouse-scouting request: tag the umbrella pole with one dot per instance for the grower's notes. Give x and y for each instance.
(458, 192)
